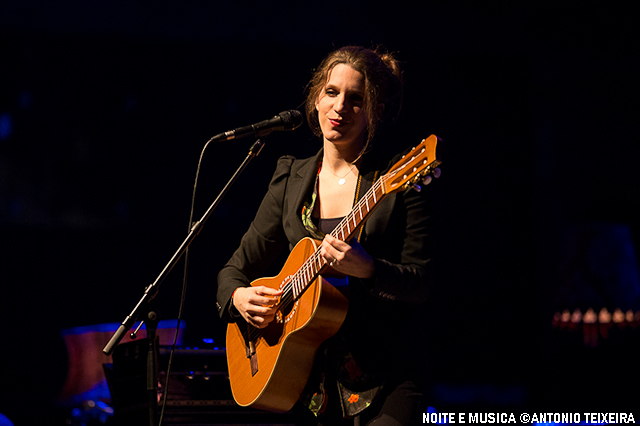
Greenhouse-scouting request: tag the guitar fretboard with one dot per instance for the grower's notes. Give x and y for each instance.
(420, 162)
(344, 231)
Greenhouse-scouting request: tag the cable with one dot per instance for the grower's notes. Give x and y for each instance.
(184, 290)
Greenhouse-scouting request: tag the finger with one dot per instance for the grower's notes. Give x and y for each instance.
(336, 250)
(329, 239)
(257, 310)
(324, 252)
(263, 301)
(259, 321)
(264, 296)
(255, 322)
(261, 325)
(268, 291)
(331, 260)
(336, 244)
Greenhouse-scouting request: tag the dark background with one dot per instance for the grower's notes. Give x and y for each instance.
(105, 107)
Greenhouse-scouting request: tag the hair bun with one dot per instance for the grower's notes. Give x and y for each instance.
(392, 63)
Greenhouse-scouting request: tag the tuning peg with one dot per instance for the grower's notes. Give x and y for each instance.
(417, 187)
(436, 173)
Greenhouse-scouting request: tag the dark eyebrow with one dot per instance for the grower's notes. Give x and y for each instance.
(333, 86)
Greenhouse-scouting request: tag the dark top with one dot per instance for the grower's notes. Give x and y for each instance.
(382, 328)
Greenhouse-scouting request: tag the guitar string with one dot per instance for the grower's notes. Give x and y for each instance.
(312, 261)
(299, 280)
(308, 267)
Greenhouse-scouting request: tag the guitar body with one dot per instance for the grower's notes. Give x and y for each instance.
(268, 368)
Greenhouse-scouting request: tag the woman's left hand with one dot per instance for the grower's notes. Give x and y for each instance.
(350, 259)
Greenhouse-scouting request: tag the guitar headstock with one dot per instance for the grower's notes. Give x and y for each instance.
(416, 165)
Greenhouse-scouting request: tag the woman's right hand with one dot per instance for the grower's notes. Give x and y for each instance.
(257, 305)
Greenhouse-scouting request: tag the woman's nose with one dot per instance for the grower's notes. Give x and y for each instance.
(341, 104)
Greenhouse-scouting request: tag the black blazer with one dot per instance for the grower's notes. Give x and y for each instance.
(383, 325)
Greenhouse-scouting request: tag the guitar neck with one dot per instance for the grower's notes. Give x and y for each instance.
(349, 225)
(344, 231)
(408, 172)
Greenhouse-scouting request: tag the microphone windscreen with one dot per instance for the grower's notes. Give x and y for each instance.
(291, 119)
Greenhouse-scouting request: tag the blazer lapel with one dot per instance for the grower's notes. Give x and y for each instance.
(299, 189)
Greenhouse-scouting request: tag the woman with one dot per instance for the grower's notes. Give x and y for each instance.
(371, 369)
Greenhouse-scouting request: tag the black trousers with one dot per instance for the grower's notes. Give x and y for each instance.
(400, 404)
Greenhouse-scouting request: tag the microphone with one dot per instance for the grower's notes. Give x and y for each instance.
(286, 120)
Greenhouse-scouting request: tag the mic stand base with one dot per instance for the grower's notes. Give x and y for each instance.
(152, 367)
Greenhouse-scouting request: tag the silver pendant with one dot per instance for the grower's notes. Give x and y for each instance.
(342, 181)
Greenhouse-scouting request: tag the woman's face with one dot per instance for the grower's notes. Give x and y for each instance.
(340, 106)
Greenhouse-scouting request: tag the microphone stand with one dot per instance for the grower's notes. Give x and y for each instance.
(152, 367)
(151, 290)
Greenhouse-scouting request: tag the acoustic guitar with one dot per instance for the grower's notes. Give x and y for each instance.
(269, 367)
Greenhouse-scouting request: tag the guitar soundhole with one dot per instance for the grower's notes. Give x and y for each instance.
(287, 304)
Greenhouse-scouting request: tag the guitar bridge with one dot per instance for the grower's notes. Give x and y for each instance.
(253, 357)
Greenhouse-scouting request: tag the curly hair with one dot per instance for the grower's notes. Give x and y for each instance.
(383, 85)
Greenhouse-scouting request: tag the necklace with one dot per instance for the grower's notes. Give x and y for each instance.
(342, 179)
